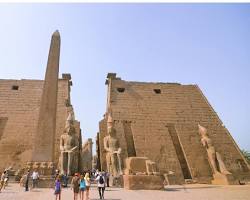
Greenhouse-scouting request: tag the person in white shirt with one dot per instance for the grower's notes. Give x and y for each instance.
(88, 183)
(35, 177)
(101, 184)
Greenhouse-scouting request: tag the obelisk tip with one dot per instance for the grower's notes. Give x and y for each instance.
(56, 33)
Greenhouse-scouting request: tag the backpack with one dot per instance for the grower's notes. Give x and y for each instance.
(101, 180)
(82, 184)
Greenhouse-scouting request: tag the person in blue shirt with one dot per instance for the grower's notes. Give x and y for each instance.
(82, 187)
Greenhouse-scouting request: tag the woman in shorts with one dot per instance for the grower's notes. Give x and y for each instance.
(82, 187)
(58, 188)
(87, 182)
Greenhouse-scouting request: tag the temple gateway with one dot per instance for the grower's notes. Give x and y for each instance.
(166, 129)
(150, 132)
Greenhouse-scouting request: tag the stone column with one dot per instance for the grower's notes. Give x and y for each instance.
(44, 138)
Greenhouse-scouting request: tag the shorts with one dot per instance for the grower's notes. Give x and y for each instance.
(87, 187)
(76, 190)
(82, 189)
(57, 191)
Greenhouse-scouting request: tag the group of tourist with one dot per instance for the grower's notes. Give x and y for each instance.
(24, 181)
(80, 184)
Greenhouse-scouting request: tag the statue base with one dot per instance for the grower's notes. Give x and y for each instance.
(43, 168)
(46, 182)
(116, 181)
(143, 182)
(171, 179)
(224, 179)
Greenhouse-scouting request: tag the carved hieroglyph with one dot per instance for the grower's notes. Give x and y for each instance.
(214, 157)
(112, 147)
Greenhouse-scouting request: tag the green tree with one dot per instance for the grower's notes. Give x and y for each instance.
(246, 154)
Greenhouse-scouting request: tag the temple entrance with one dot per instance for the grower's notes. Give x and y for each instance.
(179, 151)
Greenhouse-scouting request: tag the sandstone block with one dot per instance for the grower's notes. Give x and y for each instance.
(143, 182)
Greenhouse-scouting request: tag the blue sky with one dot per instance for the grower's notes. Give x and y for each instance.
(204, 44)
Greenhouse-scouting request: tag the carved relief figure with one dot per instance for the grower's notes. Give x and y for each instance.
(214, 157)
(112, 147)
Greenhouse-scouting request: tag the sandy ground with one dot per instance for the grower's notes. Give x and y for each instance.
(184, 192)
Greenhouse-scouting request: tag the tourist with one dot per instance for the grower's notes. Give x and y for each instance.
(88, 183)
(97, 173)
(6, 178)
(101, 184)
(3, 176)
(35, 178)
(82, 187)
(56, 174)
(107, 178)
(26, 181)
(21, 182)
(75, 185)
(58, 188)
(65, 179)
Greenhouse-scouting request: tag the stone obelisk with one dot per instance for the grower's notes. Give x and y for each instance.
(44, 138)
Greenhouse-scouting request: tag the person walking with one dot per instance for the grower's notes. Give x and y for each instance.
(82, 187)
(35, 178)
(58, 188)
(101, 185)
(88, 183)
(6, 179)
(75, 185)
(107, 178)
(26, 179)
(3, 176)
(65, 179)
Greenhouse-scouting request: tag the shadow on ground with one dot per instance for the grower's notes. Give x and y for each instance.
(106, 199)
(178, 188)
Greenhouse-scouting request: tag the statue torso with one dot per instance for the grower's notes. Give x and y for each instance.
(112, 143)
(68, 142)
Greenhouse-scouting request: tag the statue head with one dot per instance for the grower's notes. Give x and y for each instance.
(70, 130)
(112, 131)
(202, 130)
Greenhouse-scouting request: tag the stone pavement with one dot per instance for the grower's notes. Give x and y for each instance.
(183, 192)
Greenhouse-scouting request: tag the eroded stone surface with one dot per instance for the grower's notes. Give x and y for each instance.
(160, 121)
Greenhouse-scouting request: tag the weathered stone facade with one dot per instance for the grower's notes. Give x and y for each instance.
(87, 155)
(33, 114)
(160, 121)
(19, 109)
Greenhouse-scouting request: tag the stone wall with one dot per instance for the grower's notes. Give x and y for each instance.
(163, 121)
(19, 109)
